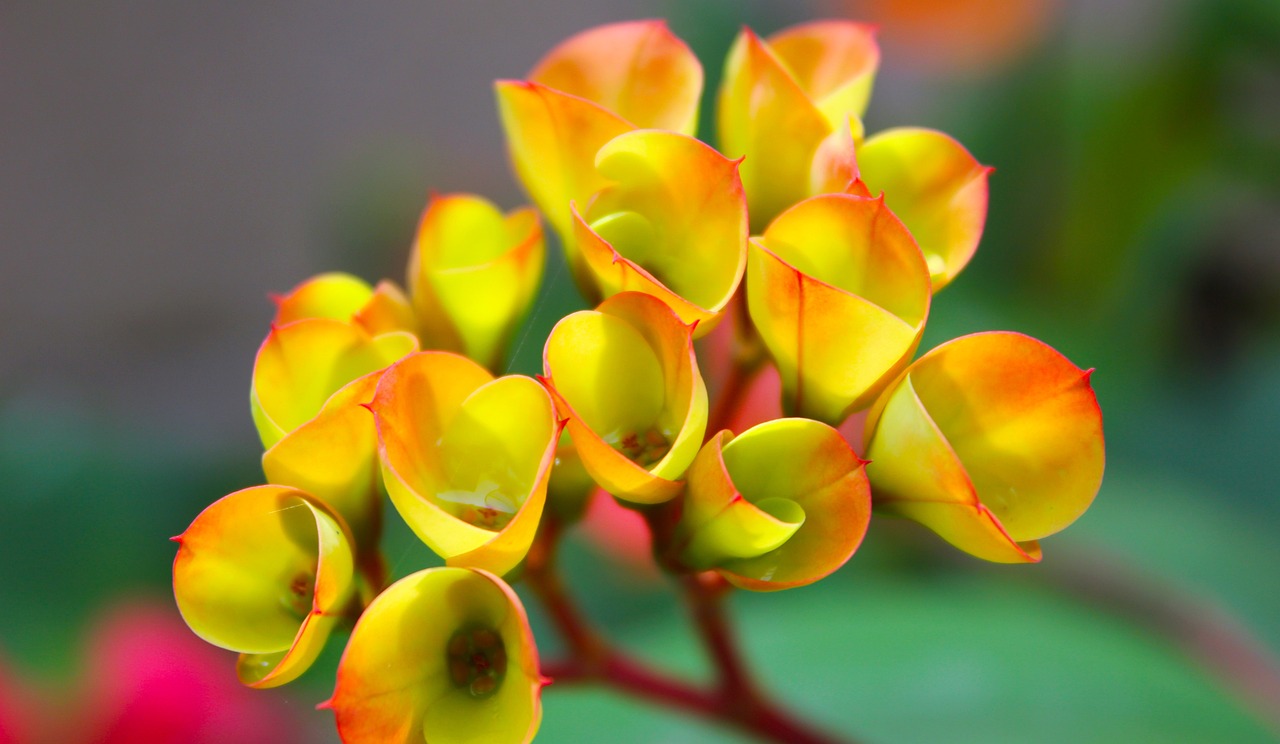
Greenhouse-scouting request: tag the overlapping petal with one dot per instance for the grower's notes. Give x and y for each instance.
(466, 457)
(267, 571)
(993, 441)
(473, 274)
(334, 457)
(672, 224)
(839, 294)
(636, 69)
(626, 378)
(553, 138)
(301, 364)
(782, 98)
(935, 187)
(781, 505)
(444, 655)
(381, 309)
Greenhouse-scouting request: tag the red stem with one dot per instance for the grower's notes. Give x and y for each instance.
(733, 702)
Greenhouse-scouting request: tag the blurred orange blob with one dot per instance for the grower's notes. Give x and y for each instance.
(963, 35)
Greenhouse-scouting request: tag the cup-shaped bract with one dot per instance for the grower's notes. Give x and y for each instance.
(267, 571)
(781, 98)
(626, 379)
(993, 441)
(444, 655)
(301, 364)
(839, 294)
(639, 70)
(935, 187)
(593, 87)
(466, 457)
(339, 296)
(473, 274)
(672, 224)
(781, 505)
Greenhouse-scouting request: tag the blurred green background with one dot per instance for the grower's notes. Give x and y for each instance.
(168, 166)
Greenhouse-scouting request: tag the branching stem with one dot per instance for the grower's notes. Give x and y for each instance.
(734, 701)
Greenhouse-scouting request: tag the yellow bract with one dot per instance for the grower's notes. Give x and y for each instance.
(782, 505)
(301, 364)
(672, 224)
(266, 571)
(465, 457)
(444, 656)
(473, 274)
(839, 293)
(992, 440)
(781, 98)
(935, 187)
(626, 378)
(338, 296)
(636, 69)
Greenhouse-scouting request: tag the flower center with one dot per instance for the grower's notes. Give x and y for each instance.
(299, 595)
(477, 660)
(644, 449)
(484, 506)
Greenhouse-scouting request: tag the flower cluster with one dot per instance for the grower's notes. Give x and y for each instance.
(800, 245)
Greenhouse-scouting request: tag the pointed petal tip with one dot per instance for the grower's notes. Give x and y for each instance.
(176, 538)
(326, 705)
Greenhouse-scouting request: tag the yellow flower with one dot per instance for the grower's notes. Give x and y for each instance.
(473, 274)
(466, 457)
(781, 505)
(267, 571)
(839, 294)
(626, 378)
(444, 656)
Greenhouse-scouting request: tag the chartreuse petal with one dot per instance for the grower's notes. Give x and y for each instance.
(301, 364)
(473, 273)
(673, 224)
(992, 440)
(445, 656)
(553, 138)
(834, 62)
(466, 457)
(936, 188)
(350, 299)
(266, 571)
(781, 505)
(626, 379)
(839, 293)
(334, 457)
(765, 116)
(636, 69)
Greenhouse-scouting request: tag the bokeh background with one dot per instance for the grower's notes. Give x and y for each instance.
(164, 166)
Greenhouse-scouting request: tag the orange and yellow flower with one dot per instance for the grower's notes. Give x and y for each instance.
(993, 441)
(267, 571)
(781, 505)
(838, 292)
(473, 274)
(626, 379)
(591, 88)
(445, 656)
(466, 457)
(672, 223)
